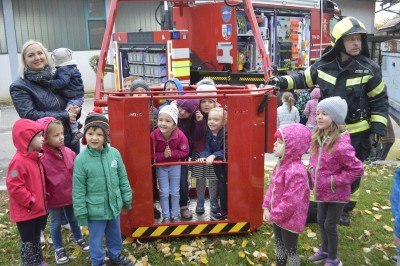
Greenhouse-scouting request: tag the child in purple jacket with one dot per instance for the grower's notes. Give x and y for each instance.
(333, 168)
(168, 144)
(287, 198)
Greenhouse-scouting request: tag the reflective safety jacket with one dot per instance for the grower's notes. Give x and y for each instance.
(359, 83)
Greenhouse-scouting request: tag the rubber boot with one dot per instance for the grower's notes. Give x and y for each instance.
(28, 256)
(39, 260)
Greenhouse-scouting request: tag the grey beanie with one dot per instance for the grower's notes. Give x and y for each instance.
(335, 107)
(139, 83)
(61, 56)
(207, 90)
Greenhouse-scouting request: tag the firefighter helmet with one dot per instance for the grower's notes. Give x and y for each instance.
(348, 26)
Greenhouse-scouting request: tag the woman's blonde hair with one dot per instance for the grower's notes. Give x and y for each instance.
(319, 134)
(287, 97)
(22, 62)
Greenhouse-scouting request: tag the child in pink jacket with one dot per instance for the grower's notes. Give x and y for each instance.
(287, 198)
(311, 108)
(333, 168)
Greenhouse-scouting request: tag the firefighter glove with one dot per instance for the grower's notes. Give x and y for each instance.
(375, 139)
(274, 81)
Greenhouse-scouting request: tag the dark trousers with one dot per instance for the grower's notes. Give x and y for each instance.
(328, 217)
(29, 231)
(184, 187)
(222, 176)
(362, 146)
(286, 247)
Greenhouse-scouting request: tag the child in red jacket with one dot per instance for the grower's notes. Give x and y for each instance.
(26, 189)
(58, 164)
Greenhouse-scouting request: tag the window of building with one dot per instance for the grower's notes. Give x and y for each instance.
(3, 43)
(95, 22)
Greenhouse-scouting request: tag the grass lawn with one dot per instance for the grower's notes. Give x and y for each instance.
(368, 241)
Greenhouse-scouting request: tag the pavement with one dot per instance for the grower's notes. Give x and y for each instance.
(8, 116)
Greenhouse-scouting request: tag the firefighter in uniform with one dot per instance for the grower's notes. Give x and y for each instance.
(346, 70)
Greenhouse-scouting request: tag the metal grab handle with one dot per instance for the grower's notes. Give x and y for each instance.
(187, 163)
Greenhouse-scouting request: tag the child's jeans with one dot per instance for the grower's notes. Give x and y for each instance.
(76, 102)
(111, 229)
(56, 215)
(169, 178)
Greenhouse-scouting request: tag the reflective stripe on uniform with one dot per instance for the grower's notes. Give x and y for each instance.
(328, 78)
(378, 90)
(379, 119)
(358, 80)
(290, 82)
(358, 127)
(307, 74)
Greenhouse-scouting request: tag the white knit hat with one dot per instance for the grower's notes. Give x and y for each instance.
(335, 107)
(207, 90)
(61, 55)
(170, 110)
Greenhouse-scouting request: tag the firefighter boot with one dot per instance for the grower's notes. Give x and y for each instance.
(344, 219)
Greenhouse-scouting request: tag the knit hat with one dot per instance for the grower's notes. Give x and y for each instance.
(189, 105)
(170, 110)
(96, 120)
(139, 83)
(210, 90)
(335, 107)
(61, 56)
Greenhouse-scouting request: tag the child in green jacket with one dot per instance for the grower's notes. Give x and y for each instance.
(100, 190)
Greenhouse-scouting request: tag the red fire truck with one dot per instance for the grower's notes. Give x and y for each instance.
(223, 46)
(234, 39)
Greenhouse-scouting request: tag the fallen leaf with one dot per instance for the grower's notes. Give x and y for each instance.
(127, 241)
(375, 209)
(388, 228)
(311, 234)
(366, 250)
(244, 243)
(377, 217)
(249, 261)
(241, 254)
(367, 212)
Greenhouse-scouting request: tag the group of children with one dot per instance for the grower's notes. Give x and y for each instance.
(90, 189)
(44, 176)
(184, 130)
(332, 168)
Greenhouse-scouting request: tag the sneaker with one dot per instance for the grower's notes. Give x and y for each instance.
(157, 213)
(318, 257)
(76, 137)
(82, 243)
(121, 261)
(42, 239)
(344, 219)
(61, 256)
(101, 264)
(66, 226)
(165, 220)
(175, 219)
(200, 207)
(186, 213)
(329, 262)
(214, 205)
(222, 215)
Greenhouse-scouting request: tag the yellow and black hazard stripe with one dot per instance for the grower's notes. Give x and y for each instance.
(191, 230)
(218, 78)
(251, 79)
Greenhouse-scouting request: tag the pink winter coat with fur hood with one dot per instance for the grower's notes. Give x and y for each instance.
(288, 194)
